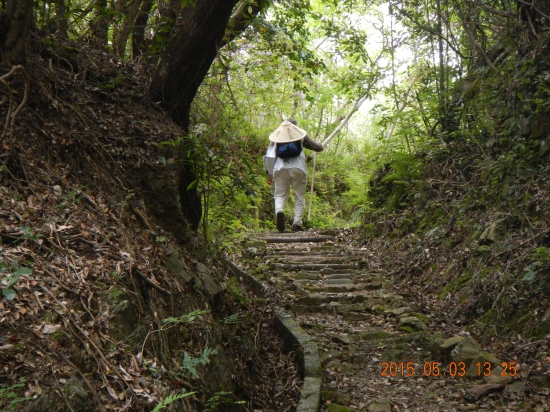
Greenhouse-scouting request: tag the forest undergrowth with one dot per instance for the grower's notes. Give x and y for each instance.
(465, 219)
(92, 316)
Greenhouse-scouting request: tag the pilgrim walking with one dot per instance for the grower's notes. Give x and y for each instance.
(285, 162)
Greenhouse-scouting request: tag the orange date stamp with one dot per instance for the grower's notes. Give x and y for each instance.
(453, 369)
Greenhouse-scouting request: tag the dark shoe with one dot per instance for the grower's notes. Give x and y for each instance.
(297, 228)
(280, 221)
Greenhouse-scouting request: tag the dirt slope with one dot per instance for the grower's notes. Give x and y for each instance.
(102, 309)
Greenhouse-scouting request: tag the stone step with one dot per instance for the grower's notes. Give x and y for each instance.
(298, 251)
(318, 299)
(310, 259)
(338, 276)
(338, 282)
(309, 239)
(315, 266)
(310, 276)
(302, 282)
(303, 248)
(340, 288)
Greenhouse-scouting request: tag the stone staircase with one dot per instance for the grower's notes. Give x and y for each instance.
(376, 353)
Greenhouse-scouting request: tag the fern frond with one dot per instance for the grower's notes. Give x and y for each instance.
(170, 400)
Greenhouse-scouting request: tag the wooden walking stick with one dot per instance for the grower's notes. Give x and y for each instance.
(312, 182)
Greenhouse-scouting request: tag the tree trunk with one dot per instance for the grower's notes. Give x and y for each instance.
(100, 24)
(15, 24)
(189, 54)
(120, 38)
(138, 32)
(60, 16)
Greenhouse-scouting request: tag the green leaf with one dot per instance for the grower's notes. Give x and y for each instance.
(529, 276)
(23, 271)
(171, 399)
(9, 294)
(193, 184)
(12, 280)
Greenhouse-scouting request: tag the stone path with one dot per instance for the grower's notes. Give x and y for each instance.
(377, 354)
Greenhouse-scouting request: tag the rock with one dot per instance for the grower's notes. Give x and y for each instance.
(252, 251)
(398, 311)
(426, 320)
(355, 317)
(57, 192)
(450, 344)
(380, 405)
(327, 356)
(336, 397)
(476, 392)
(495, 376)
(373, 285)
(327, 271)
(477, 368)
(210, 285)
(390, 297)
(367, 300)
(517, 387)
(174, 262)
(333, 364)
(413, 322)
(465, 351)
(378, 308)
(344, 339)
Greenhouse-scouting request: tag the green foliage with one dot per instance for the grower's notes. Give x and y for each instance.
(170, 400)
(11, 276)
(9, 399)
(397, 182)
(186, 318)
(28, 234)
(72, 197)
(236, 291)
(221, 398)
(190, 364)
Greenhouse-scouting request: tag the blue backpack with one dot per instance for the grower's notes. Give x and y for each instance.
(288, 150)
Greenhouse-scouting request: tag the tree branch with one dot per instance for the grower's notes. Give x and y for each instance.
(241, 18)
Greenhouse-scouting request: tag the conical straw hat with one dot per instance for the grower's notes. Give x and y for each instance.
(287, 132)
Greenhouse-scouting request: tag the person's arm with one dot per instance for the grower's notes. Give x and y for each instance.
(311, 144)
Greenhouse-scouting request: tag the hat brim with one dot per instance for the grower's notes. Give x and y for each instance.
(287, 132)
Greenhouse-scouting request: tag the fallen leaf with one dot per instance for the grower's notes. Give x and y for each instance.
(112, 392)
(49, 329)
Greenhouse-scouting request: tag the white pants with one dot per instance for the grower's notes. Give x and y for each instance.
(284, 178)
